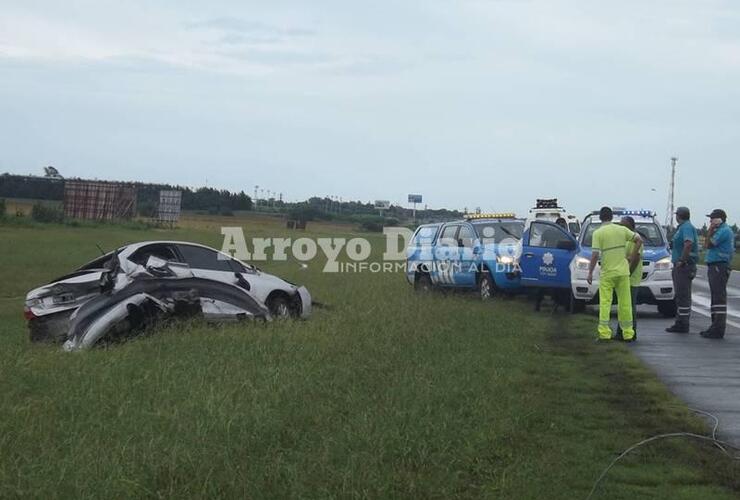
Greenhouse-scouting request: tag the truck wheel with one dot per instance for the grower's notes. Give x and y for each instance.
(667, 308)
(576, 305)
(423, 283)
(485, 286)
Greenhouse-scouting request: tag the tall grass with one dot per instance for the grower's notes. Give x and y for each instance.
(384, 394)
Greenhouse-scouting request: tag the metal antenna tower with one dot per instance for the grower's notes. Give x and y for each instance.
(671, 194)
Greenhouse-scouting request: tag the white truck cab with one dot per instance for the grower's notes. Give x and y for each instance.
(548, 210)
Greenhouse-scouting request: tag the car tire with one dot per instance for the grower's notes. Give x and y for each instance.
(667, 308)
(279, 307)
(486, 287)
(423, 283)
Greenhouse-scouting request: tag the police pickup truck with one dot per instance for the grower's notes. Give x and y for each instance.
(554, 258)
(477, 253)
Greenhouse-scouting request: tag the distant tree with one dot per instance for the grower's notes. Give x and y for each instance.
(735, 229)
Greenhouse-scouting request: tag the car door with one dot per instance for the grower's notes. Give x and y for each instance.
(547, 251)
(446, 256)
(210, 264)
(466, 273)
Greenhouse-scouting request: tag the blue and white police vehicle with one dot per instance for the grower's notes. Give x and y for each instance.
(479, 253)
(553, 258)
(656, 287)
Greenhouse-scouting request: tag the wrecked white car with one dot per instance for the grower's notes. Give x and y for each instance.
(137, 285)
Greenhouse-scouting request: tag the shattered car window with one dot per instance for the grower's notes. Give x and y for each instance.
(203, 258)
(162, 251)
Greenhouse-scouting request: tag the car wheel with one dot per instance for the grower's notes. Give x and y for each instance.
(423, 283)
(485, 286)
(279, 307)
(667, 308)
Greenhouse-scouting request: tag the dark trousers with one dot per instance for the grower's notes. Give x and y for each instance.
(683, 275)
(718, 274)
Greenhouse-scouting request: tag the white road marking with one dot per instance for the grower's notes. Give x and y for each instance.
(705, 304)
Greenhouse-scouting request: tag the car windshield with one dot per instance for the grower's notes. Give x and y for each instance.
(499, 230)
(648, 231)
(99, 263)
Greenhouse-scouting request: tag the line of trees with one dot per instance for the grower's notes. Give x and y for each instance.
(204, 198)
(224, 202)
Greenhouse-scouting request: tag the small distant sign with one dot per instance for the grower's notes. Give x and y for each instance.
(382, 204)
(415, 198)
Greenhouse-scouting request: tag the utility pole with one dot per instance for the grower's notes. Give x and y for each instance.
(671, 194)
(255, 195)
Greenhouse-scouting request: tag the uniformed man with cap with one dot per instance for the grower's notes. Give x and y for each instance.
(684, 255)
(609, 243)
(720, 249)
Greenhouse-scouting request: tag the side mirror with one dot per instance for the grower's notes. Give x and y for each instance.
(460, 243)
(569, 245)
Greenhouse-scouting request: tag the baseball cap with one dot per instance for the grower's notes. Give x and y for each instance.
(718, 213)
(683, 211)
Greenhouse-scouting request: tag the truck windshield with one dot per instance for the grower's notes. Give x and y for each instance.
(499, 230)
(425, 235)
(648, 231)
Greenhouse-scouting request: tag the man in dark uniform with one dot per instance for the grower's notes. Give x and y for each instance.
(720, 249)
(685, 254)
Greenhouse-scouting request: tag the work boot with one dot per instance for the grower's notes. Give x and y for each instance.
(712, 334)
(678, 328)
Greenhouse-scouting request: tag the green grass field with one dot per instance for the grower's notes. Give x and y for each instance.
(383, 394)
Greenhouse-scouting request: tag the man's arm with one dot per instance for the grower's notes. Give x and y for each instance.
(592, 266)
(634, 258)
(710, 235)
(715, 240)
(686, 252)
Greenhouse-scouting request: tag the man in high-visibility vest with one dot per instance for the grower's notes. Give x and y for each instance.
(609, 243)
(635, 261)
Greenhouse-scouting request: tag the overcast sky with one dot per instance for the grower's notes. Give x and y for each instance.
(487, 103)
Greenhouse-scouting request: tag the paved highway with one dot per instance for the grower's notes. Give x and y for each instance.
(704, 373)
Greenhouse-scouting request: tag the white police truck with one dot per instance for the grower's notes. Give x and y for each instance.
(656, 287)
(549, 210)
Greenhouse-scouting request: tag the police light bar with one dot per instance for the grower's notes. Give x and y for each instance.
(501, 215)
(636, 213)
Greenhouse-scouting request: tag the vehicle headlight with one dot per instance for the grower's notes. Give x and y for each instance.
(33, 303)
(664, 264)
(582, 263)
(505, 259)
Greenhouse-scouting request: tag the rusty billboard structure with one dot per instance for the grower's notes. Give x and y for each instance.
(99, 200)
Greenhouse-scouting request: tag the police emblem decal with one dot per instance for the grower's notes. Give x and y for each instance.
(548, 259)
